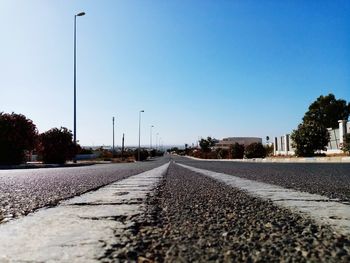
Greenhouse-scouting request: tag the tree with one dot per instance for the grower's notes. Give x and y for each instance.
(57, 146)
(17, 135)
(308, 138)
(255, 150)
(237, 151)
(206, 144)
(326, 111)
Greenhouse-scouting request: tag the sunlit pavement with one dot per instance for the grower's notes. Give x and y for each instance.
(80, 229)
(178, 212)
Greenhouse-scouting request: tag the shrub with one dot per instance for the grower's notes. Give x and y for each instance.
(222, 153)
(237, 151)
(346, 144)
(269, 150)
(143, 154)
(57, 146)
(17, 134)
(255, 150)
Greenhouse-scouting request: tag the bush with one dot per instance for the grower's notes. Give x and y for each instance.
(57, 146)
(346, 144)
(143, 154)
(237, 151)
(255, 150)
(17, 134)
(222, 153)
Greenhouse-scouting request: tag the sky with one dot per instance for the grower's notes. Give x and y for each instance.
(197, 68)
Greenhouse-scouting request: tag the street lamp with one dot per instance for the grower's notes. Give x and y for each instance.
(113, 136)
(157, 141)
(138, 152)
(150, 140)
(75, 79)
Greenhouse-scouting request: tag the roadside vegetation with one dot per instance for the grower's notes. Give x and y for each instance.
(312, 135)
(20, 140)
(207, 150)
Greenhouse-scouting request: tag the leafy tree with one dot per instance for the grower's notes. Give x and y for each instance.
(326, 111)
(237, 151)
(308, 138)
(205, 144)
(56, 145)
(255, 150)
(17, 134)
(346, 144)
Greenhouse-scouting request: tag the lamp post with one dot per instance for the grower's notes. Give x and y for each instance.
(138, 152)
(150, 138)
(113, 137)
(75, 79)
(157, 141)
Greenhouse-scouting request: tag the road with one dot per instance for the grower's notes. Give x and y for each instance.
(25, 190)
(179, 215)
(329, 179)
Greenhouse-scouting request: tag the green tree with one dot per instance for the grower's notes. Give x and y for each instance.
(326, 111)
(17, 135)
(308, 138)
(237, 151)
(255, 150)
(57, 146)
(206, 144)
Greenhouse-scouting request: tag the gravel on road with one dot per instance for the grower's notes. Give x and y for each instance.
(25, 190)
(192, 218)
(328, 179)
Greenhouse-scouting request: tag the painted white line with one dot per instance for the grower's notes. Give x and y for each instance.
(80, 229)
(320, 208)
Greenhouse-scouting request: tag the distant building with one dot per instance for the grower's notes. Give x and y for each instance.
(225, 143)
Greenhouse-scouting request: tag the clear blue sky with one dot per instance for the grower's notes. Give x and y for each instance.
(197, 68)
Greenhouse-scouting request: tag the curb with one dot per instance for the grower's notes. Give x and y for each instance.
(281, 160)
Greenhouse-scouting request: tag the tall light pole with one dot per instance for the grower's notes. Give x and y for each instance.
(75, 78)
(150, 138)
(157, 141)
(113, 136)
(138, 151)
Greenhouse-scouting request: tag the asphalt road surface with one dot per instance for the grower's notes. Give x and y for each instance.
(193, 218)
(25, 190)
(190, 217)
(328, 179)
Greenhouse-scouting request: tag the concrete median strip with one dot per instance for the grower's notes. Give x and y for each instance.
(319, 208)
(80, 229)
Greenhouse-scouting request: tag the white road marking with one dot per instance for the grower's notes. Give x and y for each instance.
(320, 208)
(80, 229)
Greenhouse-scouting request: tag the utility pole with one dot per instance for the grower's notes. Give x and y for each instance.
(123, 148)
(113, 152)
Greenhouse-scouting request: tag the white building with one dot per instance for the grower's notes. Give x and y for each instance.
(283, 144)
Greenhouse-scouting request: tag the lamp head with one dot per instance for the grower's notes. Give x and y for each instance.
(81, 14)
